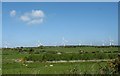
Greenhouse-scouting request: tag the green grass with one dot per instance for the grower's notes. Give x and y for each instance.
(11, 67)
(57, 68)
(0, 61)
(76, 50)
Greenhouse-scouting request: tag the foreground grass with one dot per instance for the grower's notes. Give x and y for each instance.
(57, 68)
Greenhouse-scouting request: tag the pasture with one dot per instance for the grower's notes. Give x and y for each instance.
(57, 68)
(15, 60)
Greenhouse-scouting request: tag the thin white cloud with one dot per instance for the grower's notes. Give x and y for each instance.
(25, 18)
(33, 17)
(37, 13)
(36, 21)
(12, 13)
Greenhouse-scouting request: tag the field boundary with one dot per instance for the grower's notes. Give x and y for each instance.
(64, 61)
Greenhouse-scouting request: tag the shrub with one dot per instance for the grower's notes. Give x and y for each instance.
(113, 67)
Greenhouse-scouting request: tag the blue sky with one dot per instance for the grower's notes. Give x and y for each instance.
(0, 24)
(24, 24)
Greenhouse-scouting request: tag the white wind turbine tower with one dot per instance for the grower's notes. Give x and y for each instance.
(79, 43)
(103, 44)
(111, 42)
(39, 44)
(6, 45)
(64, 41)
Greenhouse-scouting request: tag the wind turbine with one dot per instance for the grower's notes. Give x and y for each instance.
(103, 44)
(6, 45)
(91, 44)
(39, 44)
(111, 42)
(79, 43)
(64, 41)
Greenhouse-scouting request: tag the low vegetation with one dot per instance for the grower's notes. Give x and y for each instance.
(34, 60)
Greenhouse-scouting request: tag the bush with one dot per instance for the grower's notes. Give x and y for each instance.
(113, 67)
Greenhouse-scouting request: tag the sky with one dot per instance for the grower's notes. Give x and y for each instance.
(58, 23)
(0, 24)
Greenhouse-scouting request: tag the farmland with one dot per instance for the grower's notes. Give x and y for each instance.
(57, 59)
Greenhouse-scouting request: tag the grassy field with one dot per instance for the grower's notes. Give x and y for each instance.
(57, 68)
(10, 55)
(0, 61)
